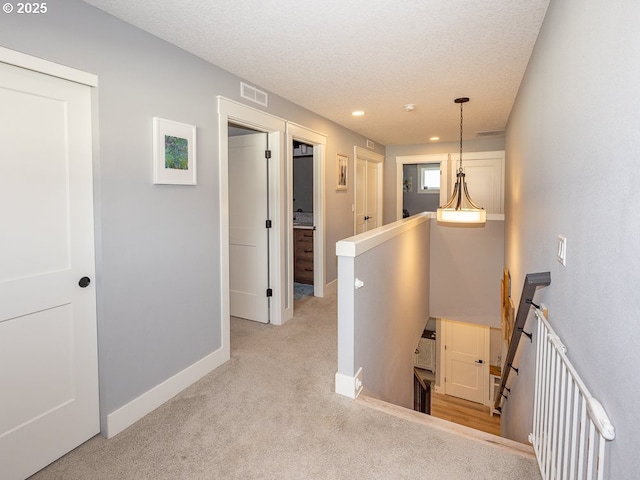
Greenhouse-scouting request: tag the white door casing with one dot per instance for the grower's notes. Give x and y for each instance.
(401, 161)
(319, 142)
(466, 353)
(368, 190)
(248, 235)
(230, 111)
(48, 338)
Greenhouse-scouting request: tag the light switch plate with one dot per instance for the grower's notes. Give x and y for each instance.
(562, 249)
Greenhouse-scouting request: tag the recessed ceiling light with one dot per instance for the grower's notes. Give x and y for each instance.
(357, 113)
(434, 139)
(410, 107)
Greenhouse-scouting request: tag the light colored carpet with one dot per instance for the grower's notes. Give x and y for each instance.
(271, 413)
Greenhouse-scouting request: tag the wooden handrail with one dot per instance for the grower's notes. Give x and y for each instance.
(531, 282)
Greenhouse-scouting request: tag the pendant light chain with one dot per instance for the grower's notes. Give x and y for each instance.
(460, 167)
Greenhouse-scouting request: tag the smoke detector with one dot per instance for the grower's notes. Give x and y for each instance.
(410, 107)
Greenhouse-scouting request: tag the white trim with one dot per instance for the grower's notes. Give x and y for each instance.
(401, 161)
(319, 142)
(244, 115)
(358, 244)
(133, 411)
(349, 386)
(48, 68)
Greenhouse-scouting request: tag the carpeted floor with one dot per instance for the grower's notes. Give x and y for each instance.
(271, 413)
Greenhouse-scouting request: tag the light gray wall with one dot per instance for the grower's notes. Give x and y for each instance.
(485, 144)
(466, 270)
(157, 245)
(573, 150)
(380, 324)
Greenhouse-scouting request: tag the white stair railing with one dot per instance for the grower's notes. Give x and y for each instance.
(570, 427)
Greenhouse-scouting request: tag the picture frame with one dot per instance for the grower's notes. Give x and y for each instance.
(174, 152)
(342, 171)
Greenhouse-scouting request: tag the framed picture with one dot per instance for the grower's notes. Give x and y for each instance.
(343, 171)
(174, 152)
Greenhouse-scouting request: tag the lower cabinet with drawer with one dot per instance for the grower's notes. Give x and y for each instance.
(303, 255)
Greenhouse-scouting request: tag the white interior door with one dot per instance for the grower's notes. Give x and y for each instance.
(248, 235)
(371, 202)
(48, 350)
(466, 354)
(368, 190)
(361, 196)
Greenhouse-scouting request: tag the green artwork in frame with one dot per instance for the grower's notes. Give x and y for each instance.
(176, 152)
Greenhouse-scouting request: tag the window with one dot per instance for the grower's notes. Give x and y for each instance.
(429, 178)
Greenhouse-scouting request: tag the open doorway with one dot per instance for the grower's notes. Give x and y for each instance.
(306, 205)
(303, 221)
(412, 175)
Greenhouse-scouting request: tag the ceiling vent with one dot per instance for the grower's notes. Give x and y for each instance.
(253, 94)
(491, 133)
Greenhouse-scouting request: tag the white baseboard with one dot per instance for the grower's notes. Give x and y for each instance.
(349, 386)
(133, 411)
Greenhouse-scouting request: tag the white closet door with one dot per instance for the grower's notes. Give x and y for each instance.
(48, 350)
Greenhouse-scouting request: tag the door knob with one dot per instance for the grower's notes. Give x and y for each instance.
(84, 282)
(479, 361)
(367, 217)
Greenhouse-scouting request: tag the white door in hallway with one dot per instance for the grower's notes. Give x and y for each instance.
(368, 192)
(48, 343)
(248, 235)
(466, 354)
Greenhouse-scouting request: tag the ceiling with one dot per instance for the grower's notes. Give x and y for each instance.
(336, 56)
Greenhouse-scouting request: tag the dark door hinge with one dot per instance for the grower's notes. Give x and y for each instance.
(267, 154)
(269, 292)
(268, 224)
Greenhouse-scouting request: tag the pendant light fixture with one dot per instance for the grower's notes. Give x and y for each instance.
(460, 209)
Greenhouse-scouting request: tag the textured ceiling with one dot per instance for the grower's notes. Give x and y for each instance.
(336, 56)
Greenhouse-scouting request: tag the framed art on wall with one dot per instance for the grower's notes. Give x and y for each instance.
(343, 171)
(174, 152)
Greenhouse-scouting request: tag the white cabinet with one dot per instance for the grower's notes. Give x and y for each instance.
(425, 355)
(484, 173)
(494, 386)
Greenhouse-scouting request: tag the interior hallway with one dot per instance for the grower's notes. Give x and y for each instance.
(271, 412)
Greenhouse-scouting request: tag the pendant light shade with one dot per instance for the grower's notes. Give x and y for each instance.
(460, 209)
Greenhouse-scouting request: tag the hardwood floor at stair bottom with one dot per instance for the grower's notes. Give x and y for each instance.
(464, 412)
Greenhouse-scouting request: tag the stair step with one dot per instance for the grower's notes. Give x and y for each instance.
(512, 446)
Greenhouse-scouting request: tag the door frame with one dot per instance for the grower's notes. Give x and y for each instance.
(319, 142)
(230, 111)
(46, 67)
(401, 161)
(360, 153)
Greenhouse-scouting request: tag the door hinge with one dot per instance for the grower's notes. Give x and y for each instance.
(269, 292)
(268, 224)
(267, 154)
